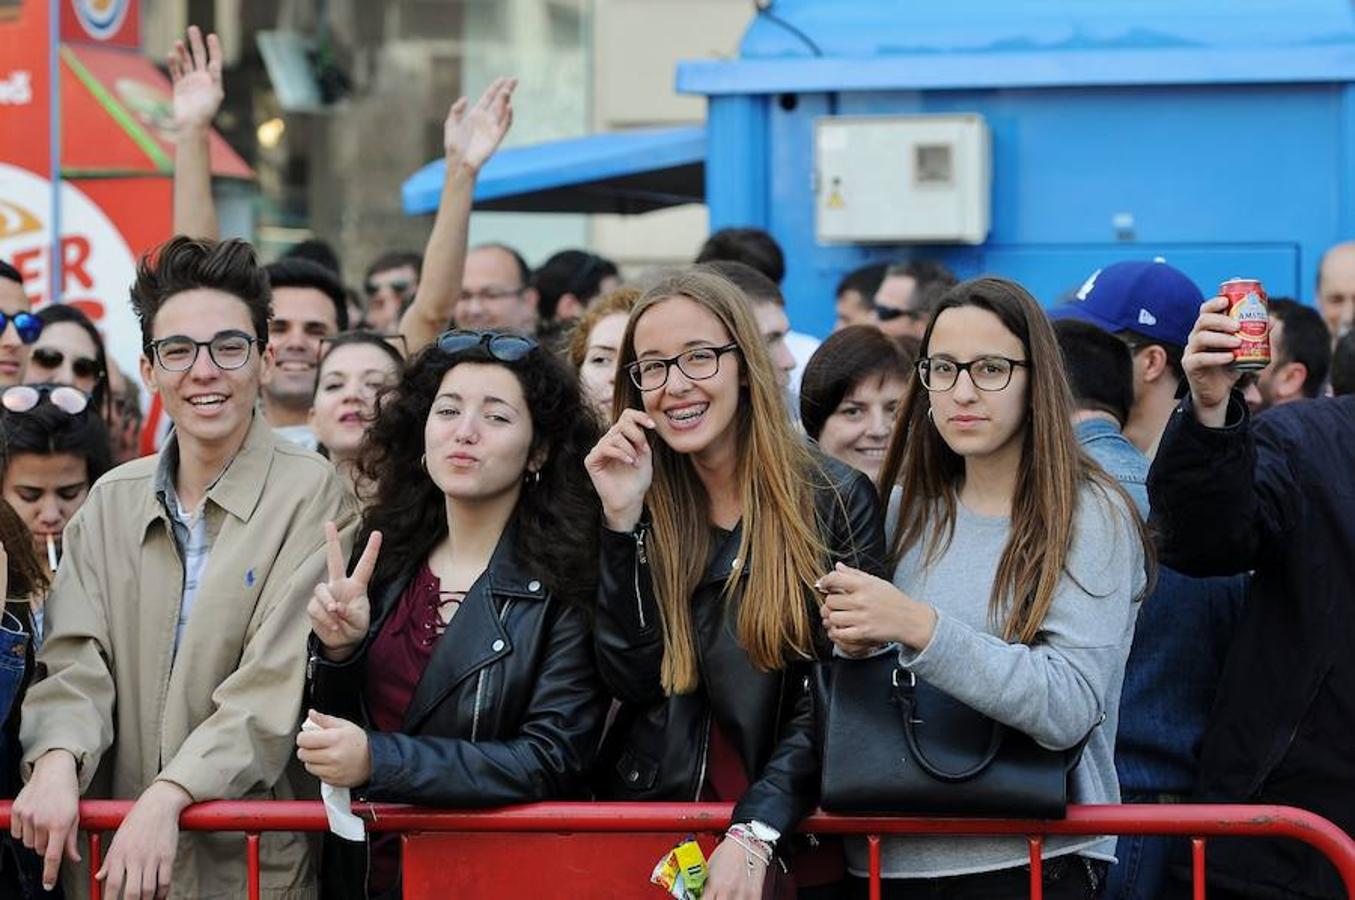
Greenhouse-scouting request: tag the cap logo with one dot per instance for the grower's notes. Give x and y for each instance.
(1087, 285)
(1146, 318)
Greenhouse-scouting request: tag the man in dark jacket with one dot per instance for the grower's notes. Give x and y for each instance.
(1275, 496)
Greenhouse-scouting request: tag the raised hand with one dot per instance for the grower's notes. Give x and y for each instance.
(340, 611)
(195, 71)
(1208, 361)
(471, 134)
(622, 467)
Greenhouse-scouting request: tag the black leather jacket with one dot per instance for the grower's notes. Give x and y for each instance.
(656, 749)
(509, 709)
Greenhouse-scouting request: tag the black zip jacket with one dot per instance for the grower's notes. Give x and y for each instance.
(509, 709)
(656, 750)
(1275, 495)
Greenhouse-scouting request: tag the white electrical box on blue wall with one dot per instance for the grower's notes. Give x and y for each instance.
(902, 179)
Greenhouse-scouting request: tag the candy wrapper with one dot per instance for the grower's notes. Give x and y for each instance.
(682, 873)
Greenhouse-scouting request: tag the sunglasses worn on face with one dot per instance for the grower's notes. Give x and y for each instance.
(22, 398)
(399, 288)
(503, 347)
(52, 358)
(26, 325)
(890, 313)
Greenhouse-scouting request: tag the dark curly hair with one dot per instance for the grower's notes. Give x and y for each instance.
(556, 518)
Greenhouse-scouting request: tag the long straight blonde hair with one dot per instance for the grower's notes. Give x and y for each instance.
(779, 545)
(1053, 470)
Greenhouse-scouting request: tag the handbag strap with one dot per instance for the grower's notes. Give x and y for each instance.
(905, 692)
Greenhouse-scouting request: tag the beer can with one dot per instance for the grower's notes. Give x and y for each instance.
(1250, 308)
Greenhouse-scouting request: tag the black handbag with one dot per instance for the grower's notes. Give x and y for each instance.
(894, 744)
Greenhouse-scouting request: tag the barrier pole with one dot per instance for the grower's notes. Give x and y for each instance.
(96, 890)
(252, 863)
(1036, 867)
(1197, 867)
(875, 888)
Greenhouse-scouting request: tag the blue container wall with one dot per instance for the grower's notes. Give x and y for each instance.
(1220, 180)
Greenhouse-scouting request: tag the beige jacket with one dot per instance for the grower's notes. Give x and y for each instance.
(219, 717)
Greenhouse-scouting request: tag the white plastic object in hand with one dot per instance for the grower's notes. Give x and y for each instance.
(338, 805)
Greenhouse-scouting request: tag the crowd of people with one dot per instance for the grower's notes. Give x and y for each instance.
(480, 534)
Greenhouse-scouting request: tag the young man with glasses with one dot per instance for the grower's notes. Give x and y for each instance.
(19, 328)
(176, 641)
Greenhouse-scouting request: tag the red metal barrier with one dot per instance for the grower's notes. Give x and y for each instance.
(645, 826)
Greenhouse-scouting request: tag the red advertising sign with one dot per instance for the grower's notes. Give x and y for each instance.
(24, 95)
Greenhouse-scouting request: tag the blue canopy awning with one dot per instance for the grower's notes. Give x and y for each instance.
(620, 172)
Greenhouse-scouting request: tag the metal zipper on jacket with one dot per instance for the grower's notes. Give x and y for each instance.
(480, 684)
(640, 559)
(705, 752)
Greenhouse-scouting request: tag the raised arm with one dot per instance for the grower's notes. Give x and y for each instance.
(470, 137)
(196, 72)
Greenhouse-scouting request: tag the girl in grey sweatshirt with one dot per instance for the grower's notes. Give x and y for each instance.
(1017, 568)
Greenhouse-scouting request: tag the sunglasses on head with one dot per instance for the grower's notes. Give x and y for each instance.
(52, 358)
(26, 325)
(22, 398)
(503, 347)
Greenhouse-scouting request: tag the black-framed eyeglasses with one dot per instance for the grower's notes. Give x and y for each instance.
(890, 313)
(26, 325)
(696, 364)
(228, 350)
(988, 373)
(52, 358)
(22, 398)
(503, 347)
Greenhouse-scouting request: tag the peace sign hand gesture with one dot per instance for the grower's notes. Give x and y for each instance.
(340, 611)
(195, 70)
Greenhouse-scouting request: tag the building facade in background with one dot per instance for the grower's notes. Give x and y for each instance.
(335, 102)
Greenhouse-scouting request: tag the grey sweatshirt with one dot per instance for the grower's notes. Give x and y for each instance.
(1056, 690)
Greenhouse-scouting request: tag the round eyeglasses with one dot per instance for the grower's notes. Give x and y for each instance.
(22, 398)
(227, 349)
(696, 364)
(988, 373)
(501, 346)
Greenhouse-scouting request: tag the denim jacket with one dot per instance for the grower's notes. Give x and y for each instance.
(1183, 634)
(1124, 462)
(14, 637)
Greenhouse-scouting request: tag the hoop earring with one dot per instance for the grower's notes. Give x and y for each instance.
(423, 462)
(931, 415)
(531, 479)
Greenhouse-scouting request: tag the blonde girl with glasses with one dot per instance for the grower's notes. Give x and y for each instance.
(718, 519)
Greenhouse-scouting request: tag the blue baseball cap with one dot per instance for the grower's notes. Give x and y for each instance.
(1149, 298)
